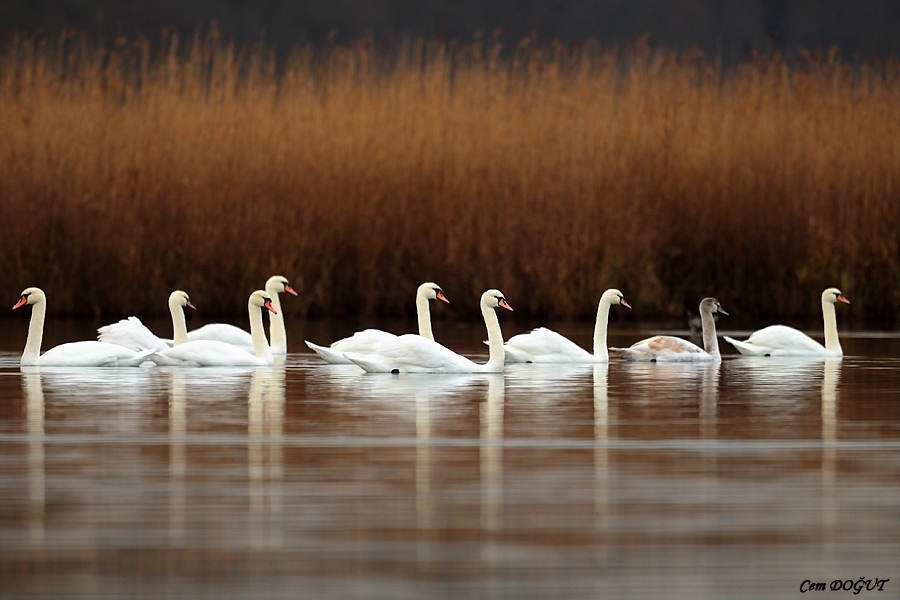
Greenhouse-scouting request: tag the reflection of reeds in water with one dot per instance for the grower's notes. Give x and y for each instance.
(550, 169)
(34, 419)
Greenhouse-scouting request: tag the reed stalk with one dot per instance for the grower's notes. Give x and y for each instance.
(551, 173)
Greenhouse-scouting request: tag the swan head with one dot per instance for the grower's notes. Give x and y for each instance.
(711, 306)
(261, 299)
(614, 296)
(432, 291)
(834, 295)
(279, 284)
(30, 295)
(179, 298)
(494, 298)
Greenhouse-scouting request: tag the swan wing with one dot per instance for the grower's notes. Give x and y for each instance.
(222, 332)
(666, 348)
(207, 353)
(364, 342)
(92, 354)
(543, 345)
(131, 333)
(779, 340)
(412, 353)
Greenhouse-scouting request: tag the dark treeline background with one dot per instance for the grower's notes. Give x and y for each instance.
(731, 29)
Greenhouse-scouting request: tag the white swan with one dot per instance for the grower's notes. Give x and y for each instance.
(368, 340)
(412, 353)
(673, 349)
(214, 353)
(236, 336)
(779, 340)
(73, 354)
(133, 334)
(545, 346)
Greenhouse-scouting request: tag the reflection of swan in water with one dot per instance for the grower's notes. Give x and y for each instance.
(265, 428)
(100, 384)
(177, 455)
(830, 378)
(709, 395)
(34, 426)
(601, 445)
(359, 392)
(491, 451)
(543, 376)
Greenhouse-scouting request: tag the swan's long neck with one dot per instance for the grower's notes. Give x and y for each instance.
(710, 342)
(35, 334)
(600, 348)
(423, 312)
(277, 332)
(258, 334)
(495, 340)
(179, 326)
(832, 343)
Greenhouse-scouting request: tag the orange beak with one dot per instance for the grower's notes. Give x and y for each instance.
(841, 298)
(625, 304)
(505, 304)
(191, 305)
(442, 297)
(289, 289)
(22, 302)
(268, 304)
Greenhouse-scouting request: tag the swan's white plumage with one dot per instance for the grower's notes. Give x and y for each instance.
(214, 353)
(73, 354)
(543, 345)
(369, 341)
(133, 334)
(414, 354)
(666, 348)
(230, 334)
(780, 340)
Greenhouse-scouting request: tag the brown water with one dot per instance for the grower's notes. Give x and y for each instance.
(316, 481)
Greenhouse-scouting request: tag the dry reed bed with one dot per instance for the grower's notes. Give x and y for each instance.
(550, 173)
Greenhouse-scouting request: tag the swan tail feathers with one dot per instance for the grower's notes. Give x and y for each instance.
(328, 354)
(139, 359)
(369, 364)
(746, 348)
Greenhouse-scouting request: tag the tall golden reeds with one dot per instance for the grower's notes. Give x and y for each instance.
(551, 173)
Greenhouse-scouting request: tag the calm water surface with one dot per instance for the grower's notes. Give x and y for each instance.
(317, 481)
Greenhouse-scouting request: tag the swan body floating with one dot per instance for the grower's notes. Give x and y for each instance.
(780, 340)
(74, 354)
(672, 349)
(214, 353)
(545, 346)
(131, 333)
(236, 336)
(412, 353)
(368, 341)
